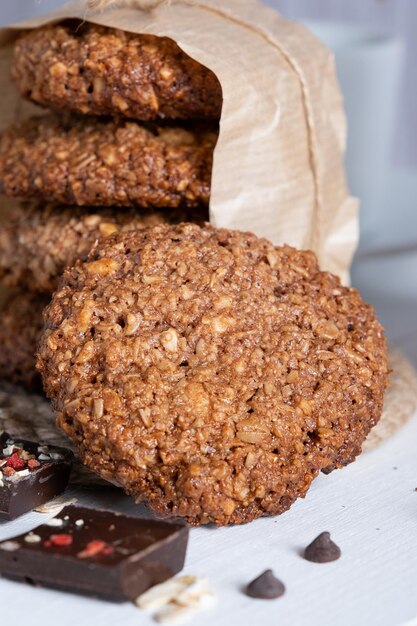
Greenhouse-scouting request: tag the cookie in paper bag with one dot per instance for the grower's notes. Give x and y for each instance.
(91, 69)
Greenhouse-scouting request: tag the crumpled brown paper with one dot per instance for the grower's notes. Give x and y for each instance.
(278, 165)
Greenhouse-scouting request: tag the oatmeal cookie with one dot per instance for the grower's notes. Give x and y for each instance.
(101, 162)
(39, 240)
(20, 327)
(103, 71)
(210, 373)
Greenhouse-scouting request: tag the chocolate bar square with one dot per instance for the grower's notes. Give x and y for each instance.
(96, 552)
(30, 474)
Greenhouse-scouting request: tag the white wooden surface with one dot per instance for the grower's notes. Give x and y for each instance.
(369, 507)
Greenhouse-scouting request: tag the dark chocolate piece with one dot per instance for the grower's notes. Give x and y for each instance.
(96, 552)
(322, 549)
(30, 474)
(265, 587)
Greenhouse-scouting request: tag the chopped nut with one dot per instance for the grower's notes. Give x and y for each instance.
(166, 72)
(119, 102)
(169, 340)
(272, 259)
(329, 330)
(269, 388)
(132, 324)
(98, 407)
(150, 280)
(251, 459)
(221, 324)
(228, 506)
(58, 70)
(109, 155)
(99, 85)
(107, 229)
(86, 353)
(102, 267)
(293, 376)
(145, 415)
(305, 406)
(251, 436)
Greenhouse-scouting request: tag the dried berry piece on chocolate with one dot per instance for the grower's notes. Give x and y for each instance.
(15, 461)
(322, 549)
(265, 587)
(93, 548)
(61, 540)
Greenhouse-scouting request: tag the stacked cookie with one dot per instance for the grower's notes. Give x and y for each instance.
(128, 143)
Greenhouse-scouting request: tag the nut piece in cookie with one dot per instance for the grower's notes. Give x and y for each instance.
(91, 69)
(100, 162)
(210, 373)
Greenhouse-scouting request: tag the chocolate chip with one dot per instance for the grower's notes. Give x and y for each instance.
(265, 587)
(322, 549)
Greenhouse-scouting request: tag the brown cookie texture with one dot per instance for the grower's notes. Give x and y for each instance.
(96, 70)
(210, 373)
(39, 240)
(101, 162)
(20, 327)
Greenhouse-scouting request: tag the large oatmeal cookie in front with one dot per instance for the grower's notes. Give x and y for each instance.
(210, 373)
(38, 241)
(103, 71)
(100, 162)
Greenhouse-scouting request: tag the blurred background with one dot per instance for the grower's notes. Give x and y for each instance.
(375, 47)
